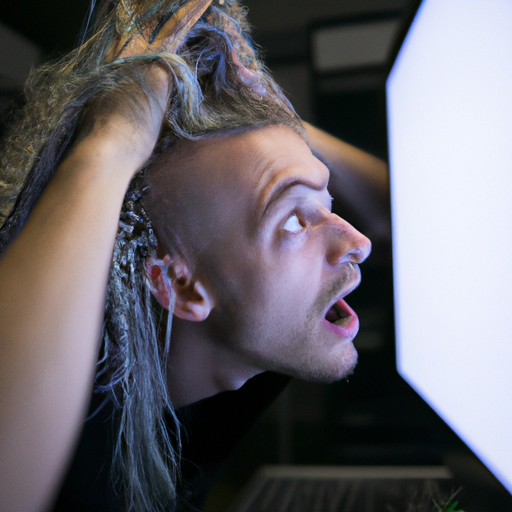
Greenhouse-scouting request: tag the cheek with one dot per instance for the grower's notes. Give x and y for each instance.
(265, 287)
(239, 284)
(299, 275)
(289, 298)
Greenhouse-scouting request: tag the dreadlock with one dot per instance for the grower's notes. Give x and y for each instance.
(218, 84)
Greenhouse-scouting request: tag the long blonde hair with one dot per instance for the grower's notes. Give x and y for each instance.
(219, 84)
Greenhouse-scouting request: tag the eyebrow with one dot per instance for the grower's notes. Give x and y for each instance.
(281, 188)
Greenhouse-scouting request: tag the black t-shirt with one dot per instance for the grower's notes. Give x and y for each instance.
(213, 427)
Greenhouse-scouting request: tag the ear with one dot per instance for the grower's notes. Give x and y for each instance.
(157, 272)
(192, 301)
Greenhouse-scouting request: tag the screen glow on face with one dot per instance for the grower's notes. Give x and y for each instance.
(450, 132)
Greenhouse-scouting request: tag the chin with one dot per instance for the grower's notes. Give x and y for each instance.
(333, 369)
(345, 363)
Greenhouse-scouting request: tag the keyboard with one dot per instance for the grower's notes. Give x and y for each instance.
(345, 489)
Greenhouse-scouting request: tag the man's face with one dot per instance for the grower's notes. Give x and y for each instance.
(275, 258)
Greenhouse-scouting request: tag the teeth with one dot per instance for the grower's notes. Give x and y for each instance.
(337, 316)
(342, 321)
(344, 317)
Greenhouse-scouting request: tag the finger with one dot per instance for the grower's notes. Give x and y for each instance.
(165, 38)
(178, 25)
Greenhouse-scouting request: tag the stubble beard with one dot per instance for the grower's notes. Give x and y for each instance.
(312, 369)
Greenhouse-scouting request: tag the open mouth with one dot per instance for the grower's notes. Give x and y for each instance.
(339, 314)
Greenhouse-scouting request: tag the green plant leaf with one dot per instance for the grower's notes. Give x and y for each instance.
(451, 507)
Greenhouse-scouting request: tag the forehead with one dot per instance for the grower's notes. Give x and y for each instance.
(252, 162)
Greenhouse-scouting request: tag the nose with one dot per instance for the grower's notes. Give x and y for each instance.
(345, 244)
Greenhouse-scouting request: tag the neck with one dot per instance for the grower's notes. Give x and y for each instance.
(200, 367)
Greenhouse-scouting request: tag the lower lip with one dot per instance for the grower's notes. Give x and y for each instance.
(349, 330)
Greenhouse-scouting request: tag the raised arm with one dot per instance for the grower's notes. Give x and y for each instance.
(358, 179)
(52, 295)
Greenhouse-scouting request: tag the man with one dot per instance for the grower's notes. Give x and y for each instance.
(264, 236)
(243, 230)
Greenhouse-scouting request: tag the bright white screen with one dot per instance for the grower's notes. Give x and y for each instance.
(450, 135)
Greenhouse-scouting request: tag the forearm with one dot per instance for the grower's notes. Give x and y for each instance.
(358, 179)
(53, 280)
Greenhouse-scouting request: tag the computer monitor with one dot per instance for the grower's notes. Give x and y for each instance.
(449, 96)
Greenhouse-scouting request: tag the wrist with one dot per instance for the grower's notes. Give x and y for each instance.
(118, 153)
(99, 163)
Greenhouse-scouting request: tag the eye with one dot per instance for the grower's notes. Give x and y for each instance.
(293, 224)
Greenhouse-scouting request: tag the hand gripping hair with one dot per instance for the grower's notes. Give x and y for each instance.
(218, 84)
